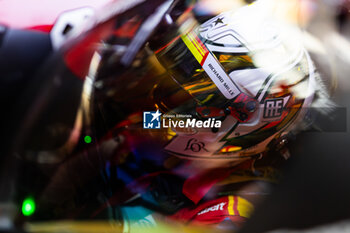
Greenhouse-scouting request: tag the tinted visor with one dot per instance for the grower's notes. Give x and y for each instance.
(190, 88)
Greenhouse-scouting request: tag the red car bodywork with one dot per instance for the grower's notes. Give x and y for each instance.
(40, 15)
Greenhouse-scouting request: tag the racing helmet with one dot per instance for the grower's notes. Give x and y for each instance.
(242, 68)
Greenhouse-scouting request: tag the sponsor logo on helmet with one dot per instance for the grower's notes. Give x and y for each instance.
(273, 108)
(195, 145)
